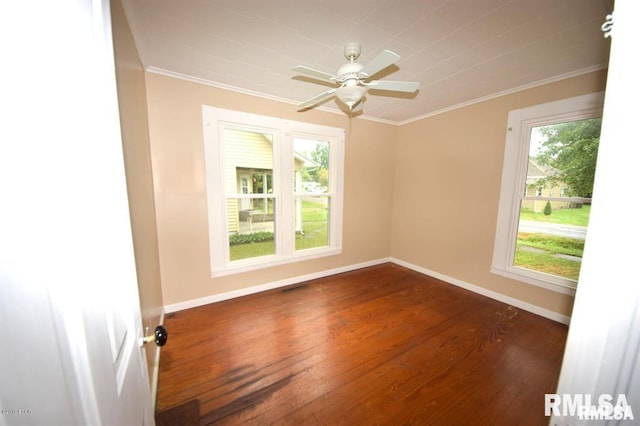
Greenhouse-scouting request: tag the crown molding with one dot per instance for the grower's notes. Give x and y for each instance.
(535, 84)
(240, 90)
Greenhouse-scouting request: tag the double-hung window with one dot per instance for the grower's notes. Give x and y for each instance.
(543, 213)
(274, 190)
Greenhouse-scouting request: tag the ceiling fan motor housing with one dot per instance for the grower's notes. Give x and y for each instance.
(349, 73)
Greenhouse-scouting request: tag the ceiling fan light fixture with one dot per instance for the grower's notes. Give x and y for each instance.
(352, 79)
(351, 95)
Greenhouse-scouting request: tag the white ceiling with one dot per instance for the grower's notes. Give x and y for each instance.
(460, 51)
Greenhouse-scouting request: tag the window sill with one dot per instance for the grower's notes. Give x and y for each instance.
(248, 265)
(549, 282)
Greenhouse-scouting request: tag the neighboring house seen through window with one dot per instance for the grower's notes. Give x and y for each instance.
(544, 202)
(274, 190)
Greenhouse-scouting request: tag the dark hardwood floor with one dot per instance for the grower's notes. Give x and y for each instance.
(381, 345)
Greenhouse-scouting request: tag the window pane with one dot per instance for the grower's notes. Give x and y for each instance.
(248, 164)
(251, 231)
(563, 156)
(552, 244)
(554, 211)
(311, 177)
(311, 166)
(312, 221)
(248, 180)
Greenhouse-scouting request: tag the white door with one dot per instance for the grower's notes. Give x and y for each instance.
(602, 353)
(69, 307)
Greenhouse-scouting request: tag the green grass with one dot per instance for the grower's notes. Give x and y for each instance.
(547, 261)
(579, 217)
(249, 250)
(315, 234)
(552, 244)
(315, 223)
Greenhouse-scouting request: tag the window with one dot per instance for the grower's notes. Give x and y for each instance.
(525, 248)
(274, 190)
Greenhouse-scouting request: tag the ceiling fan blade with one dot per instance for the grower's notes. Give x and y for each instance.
(316, 99)
(310, 72)
(379, 63)
(396, 86)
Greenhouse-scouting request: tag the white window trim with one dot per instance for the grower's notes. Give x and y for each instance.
(283, 131)
(514, 175)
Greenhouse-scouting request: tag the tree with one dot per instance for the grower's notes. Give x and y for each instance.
(320, 155)
(572, 149)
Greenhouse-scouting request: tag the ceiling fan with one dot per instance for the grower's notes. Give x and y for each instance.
(351, 79)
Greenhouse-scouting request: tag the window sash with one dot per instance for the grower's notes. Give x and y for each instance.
(514, 179)
(283, 132)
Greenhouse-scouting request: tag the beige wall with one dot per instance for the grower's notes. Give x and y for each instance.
(447, 184)
(175, 126)
(135, 137)
(408, 189)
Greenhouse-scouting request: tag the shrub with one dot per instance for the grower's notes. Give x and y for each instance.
(255, 237)
(547, 208)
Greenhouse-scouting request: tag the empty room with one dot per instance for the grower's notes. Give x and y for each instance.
(323, 212)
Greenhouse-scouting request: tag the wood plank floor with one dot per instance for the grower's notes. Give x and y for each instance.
(381, 345)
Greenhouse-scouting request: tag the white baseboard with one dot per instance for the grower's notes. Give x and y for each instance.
(268, 286)
(302, 278)
(485, 292)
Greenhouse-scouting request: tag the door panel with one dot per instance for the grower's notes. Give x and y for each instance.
(68, 284)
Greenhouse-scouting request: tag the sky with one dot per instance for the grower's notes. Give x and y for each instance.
(536, 141)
